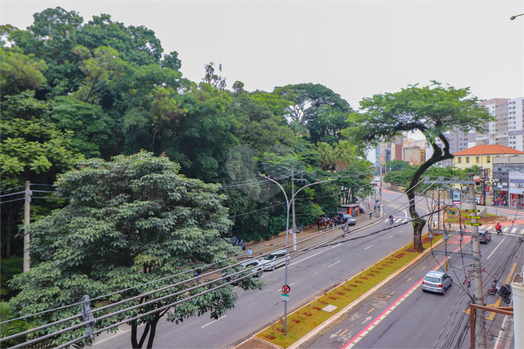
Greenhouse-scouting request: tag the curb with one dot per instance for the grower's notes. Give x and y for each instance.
(347, 308)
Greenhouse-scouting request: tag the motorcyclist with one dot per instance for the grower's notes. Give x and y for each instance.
(498, 228)
(390, 219)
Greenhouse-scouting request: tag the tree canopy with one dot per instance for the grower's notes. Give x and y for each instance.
(130, 221)
(433, 110)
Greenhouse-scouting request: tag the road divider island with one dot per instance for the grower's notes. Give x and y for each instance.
(305, 322)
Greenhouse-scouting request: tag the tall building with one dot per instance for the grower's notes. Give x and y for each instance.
(506, 130)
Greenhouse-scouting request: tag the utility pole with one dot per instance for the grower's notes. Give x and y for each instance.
(381, 211)
(480, 321)
(27, 221)
(293, 209)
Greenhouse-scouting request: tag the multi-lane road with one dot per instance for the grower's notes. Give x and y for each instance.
(312, 273)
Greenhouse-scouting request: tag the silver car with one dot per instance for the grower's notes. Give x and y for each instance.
(484, 236)
(274, 260)
(436, 281)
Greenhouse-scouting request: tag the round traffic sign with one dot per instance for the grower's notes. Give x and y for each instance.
(286, 289)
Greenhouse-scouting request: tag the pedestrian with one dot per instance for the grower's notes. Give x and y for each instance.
(370, 215)
(249, 252)
(198, 273)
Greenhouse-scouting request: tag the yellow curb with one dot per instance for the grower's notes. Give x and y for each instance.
(329, 321)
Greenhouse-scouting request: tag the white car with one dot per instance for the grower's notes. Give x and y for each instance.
(254, 265)
(274, 260)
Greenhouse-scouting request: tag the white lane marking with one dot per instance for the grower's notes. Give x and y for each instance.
(220, 318)
(505, 229)
(113, 336)
(313, 255)
(500, 243)
(514, 230)
(368, 247)
(333, 264)
(391, 236)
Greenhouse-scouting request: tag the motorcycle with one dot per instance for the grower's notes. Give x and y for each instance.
(499, 231)
(503, 291)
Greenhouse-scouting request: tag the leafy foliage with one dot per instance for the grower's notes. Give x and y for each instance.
(130, 221)
(432, 110)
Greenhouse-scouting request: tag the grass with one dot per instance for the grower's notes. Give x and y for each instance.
(308, 317)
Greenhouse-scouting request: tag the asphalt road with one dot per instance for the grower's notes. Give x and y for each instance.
(401, 315)
(308, 275)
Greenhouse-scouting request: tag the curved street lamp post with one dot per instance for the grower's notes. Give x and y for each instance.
(288, 204)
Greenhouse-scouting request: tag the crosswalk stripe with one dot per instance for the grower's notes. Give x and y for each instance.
(505, 229)
(514, 230)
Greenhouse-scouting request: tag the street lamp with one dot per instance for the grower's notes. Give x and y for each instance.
(513, 17)
(287, 229)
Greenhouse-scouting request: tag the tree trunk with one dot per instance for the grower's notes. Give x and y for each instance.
(419, 223)
(153, 332)
(134, 329)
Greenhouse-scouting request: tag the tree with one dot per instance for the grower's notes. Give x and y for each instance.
(130, 221)
(323, 111)
(432, 110)
(31, 148)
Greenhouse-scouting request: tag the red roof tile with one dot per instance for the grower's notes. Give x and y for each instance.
(490, 149)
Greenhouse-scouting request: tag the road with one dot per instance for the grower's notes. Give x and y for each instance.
(308, 275)
(401, 315)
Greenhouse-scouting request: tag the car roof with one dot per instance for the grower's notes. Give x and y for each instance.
(435, 273)
(278, 252)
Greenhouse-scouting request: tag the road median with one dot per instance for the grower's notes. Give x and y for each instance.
(307, 321)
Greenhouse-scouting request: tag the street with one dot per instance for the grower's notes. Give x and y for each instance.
(309, 275)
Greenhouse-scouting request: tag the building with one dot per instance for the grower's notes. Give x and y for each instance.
(414, 155)
(507, 130)
(482, 156)
(508, 180)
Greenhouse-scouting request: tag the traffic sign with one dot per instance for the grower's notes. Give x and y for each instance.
(474, 217)
(286, 289)
(472, 210)
(469, 223)
(285, 297)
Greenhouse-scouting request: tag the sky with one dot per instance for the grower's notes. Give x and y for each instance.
(355, 48)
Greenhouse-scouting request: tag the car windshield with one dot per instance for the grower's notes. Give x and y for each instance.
(432, 279)
(270, 257)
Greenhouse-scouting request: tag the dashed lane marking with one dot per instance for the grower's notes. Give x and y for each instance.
(371, 310)
(368, 247)
(220, 318)
(409, 279)
(333, 264)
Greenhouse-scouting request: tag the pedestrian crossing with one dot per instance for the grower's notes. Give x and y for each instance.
(398, 220)
(517, 230)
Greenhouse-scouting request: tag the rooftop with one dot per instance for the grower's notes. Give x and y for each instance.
(490, 149)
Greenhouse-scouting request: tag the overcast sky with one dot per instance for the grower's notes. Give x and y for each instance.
(356, 48)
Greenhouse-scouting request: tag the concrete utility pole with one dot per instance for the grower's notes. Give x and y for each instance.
(293, 209)
(381, 210)
(517, 285)
(480, 321)
(27, 221)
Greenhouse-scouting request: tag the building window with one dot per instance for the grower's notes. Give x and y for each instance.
(467, 159)
(478, 159)
(459, 160)
(488, 160)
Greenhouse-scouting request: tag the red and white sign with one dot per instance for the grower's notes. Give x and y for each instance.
(286, 289)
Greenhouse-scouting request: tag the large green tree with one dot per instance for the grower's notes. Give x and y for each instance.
(432, 110)
(317, 107)
(131, 221)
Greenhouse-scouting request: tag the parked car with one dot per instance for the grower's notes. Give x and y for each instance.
(248, 265)
(274, 260)
(484, 236)
(436, 281)
(349, 219)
